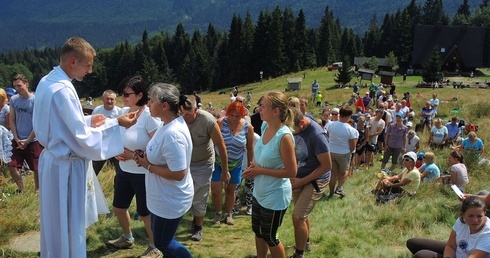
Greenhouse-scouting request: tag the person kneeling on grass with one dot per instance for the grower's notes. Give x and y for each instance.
(470, 236)
(407, 181)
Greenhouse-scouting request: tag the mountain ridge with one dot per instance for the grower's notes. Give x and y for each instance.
(37, 24)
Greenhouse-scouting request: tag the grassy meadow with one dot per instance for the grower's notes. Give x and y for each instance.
(350, 227)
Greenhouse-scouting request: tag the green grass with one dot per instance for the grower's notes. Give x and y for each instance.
(349, 227)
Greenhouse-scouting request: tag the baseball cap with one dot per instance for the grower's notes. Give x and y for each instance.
(410, 155)
(10, 91)
(400, 114)
(409, 124)
(420, 155)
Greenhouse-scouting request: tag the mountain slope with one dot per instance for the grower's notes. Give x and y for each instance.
(34, 24)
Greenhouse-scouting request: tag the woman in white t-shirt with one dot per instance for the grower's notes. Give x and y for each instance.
(130, 178)
(470, 236)
(169, 183)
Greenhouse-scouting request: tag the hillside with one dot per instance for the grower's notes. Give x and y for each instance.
(34, 24)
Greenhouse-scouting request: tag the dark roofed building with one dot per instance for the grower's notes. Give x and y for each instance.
(461, 47)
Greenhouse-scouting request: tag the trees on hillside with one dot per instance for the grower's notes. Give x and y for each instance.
(277, 43)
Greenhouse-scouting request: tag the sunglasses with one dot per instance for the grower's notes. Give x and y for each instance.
(126, 95)
(407, 160)
(335, 114)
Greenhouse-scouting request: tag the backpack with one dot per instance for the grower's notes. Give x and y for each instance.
(470, 128)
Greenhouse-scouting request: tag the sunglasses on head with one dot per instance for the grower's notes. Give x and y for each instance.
(126, 95)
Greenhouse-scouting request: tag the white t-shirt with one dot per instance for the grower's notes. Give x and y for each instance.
(170, 146)
(115, 112)
(339, 135)
(375, 125)
(136, 137)
(438, 133)
(434, 103)
(412, 143)
(466, 242)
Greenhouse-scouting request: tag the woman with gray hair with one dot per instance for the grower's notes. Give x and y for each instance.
(167, 159)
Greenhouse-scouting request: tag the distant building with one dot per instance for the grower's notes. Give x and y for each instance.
(461, 47)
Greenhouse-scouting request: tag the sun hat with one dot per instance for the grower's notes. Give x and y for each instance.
(410, 155)
(335, 110)
(10, 91)
(409, 124)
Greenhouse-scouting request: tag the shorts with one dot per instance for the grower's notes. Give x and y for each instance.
(305, 198)
(371, 147)
(381, 137)
(128, 185)
(30, 154)
(361, 150)
(340, 162)
(394, 153)
(236, 174)
(201, 177)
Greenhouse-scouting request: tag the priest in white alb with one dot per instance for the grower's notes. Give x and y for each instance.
(70, 141)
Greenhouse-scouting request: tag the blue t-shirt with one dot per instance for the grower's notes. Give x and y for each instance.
(3, 115)
(23, 115)
(467, 145)
(452, 130)
(271, 192)
(309, 143)
(434, 172)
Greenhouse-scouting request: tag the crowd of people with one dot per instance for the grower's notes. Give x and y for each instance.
(170, 151)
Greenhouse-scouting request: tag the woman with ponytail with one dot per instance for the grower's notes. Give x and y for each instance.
(274, 164)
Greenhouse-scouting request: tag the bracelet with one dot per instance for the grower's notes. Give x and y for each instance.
(148, 168)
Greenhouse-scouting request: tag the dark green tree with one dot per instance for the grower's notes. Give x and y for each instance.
(325, 38)
(433, 12)
(289, 36)
(275, 54)
(345, 73)
(259, 50)
(372, 39)
(433, 66)
(303, 45)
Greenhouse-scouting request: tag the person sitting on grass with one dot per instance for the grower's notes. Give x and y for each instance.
(471, 146)
(458, 173)
(470, 235)
(407, 182)
(438, 135)
(429, 172)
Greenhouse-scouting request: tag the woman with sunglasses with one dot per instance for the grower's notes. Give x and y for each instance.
(470, 235)
(407, 181)
(130, 178)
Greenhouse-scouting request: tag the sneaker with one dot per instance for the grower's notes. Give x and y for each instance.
(151, 253)
(229, 219)
(249, 211)
(121, 243)
(197, 236)
(308, 246)
(295, 255)
(217, 218)
(356, 170)
(235, 211)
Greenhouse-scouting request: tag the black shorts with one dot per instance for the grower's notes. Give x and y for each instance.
(371, 147)
(361, 150)
(381, 137)
(128, 185)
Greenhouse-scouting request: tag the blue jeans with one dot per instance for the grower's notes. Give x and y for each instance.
(164, 236)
